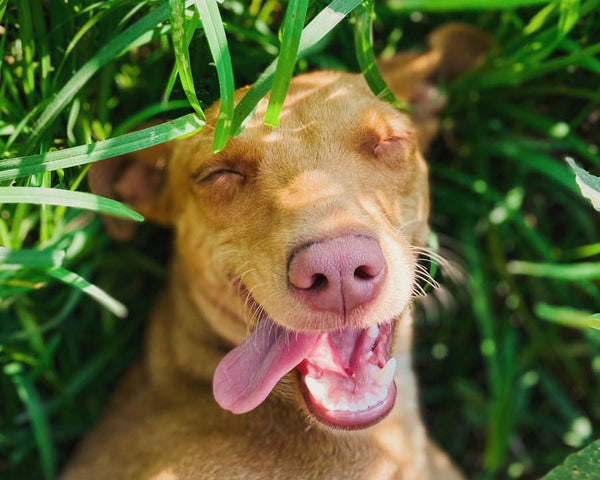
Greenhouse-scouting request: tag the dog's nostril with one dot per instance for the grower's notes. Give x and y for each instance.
(319, 281)
(363, 272)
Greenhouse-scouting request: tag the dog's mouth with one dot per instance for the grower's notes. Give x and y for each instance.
(346, 376)
(347, 379)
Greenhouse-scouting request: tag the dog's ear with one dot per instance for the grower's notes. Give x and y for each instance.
(136, 179)
(453, 49)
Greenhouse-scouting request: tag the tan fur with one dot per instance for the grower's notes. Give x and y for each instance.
(314, 176)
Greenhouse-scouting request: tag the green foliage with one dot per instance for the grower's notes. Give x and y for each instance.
(294, 21)
(589, 184)
(76, 156)
(182, 54)
(502, 355)
(582, 465)
(363, 43)
(215, 34)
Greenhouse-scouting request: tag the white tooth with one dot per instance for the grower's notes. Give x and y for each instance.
(342, 404)
(373, 331)
(371, 399)
(317, 388)
(380, 394)
(385, 376)
(362, 405)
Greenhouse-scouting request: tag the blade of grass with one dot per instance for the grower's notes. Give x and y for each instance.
(564, 272)
(54, 196)
(542, 163)
(217, 42)
(567, 316)
(137, 34)
(3, 4)
(312, 34)
(189, 29)
(569, 14)
(130, 142)
(588, 183)
(363, 44)
(292, 31)
(80, 283)
(77, 37)
(28, 48)
(446, 5)
(508, 76)
(182, 55)
(31, 258)
(44, 65)
(41, 429)
(489, 343)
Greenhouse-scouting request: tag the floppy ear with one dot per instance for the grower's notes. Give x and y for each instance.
(136, 179)
(453, 49)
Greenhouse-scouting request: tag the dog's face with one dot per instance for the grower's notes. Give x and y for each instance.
(308, 228)
(297, 243)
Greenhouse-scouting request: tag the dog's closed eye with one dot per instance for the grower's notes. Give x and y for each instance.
(219, 183)
(392, 150)
(222, 174)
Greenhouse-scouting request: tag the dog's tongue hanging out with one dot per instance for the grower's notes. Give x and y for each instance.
(250, 371)
(346, 376)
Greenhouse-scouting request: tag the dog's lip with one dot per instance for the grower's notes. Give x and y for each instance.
(347, 420)
(351, 381)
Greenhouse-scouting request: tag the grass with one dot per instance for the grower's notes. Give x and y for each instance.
(507, 345)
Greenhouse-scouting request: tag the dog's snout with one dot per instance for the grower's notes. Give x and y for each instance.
(338, 275)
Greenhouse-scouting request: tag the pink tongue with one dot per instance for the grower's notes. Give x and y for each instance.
(247, 374)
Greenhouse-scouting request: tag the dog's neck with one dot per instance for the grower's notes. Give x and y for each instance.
(181, 342)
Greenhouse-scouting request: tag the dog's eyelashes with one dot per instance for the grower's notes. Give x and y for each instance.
(219, 174)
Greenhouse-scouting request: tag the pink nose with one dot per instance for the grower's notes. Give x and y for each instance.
(338, 275)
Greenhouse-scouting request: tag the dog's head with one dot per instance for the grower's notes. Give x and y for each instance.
(302, 235)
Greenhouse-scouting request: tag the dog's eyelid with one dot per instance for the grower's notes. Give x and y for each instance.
(205, 175)
(216, 169)
(377, 146)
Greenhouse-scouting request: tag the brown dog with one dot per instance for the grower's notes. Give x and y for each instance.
(295, 245)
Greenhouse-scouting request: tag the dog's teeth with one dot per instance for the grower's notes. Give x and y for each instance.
(385, 376)
(342, 404)
(317, 388)
(373, 331)
(371, 399)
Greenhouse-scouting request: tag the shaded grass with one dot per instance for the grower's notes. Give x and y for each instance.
(525, 390)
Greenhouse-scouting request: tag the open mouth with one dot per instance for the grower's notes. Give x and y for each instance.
(347, 379)
(346, 376)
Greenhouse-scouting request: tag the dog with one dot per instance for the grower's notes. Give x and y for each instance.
(280, 347)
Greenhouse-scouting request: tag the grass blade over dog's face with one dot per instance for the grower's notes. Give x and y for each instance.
(308, 228)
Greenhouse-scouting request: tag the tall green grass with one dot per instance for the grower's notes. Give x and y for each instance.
(509, 345)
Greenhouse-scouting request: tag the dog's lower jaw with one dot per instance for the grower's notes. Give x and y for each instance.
(183, 352)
